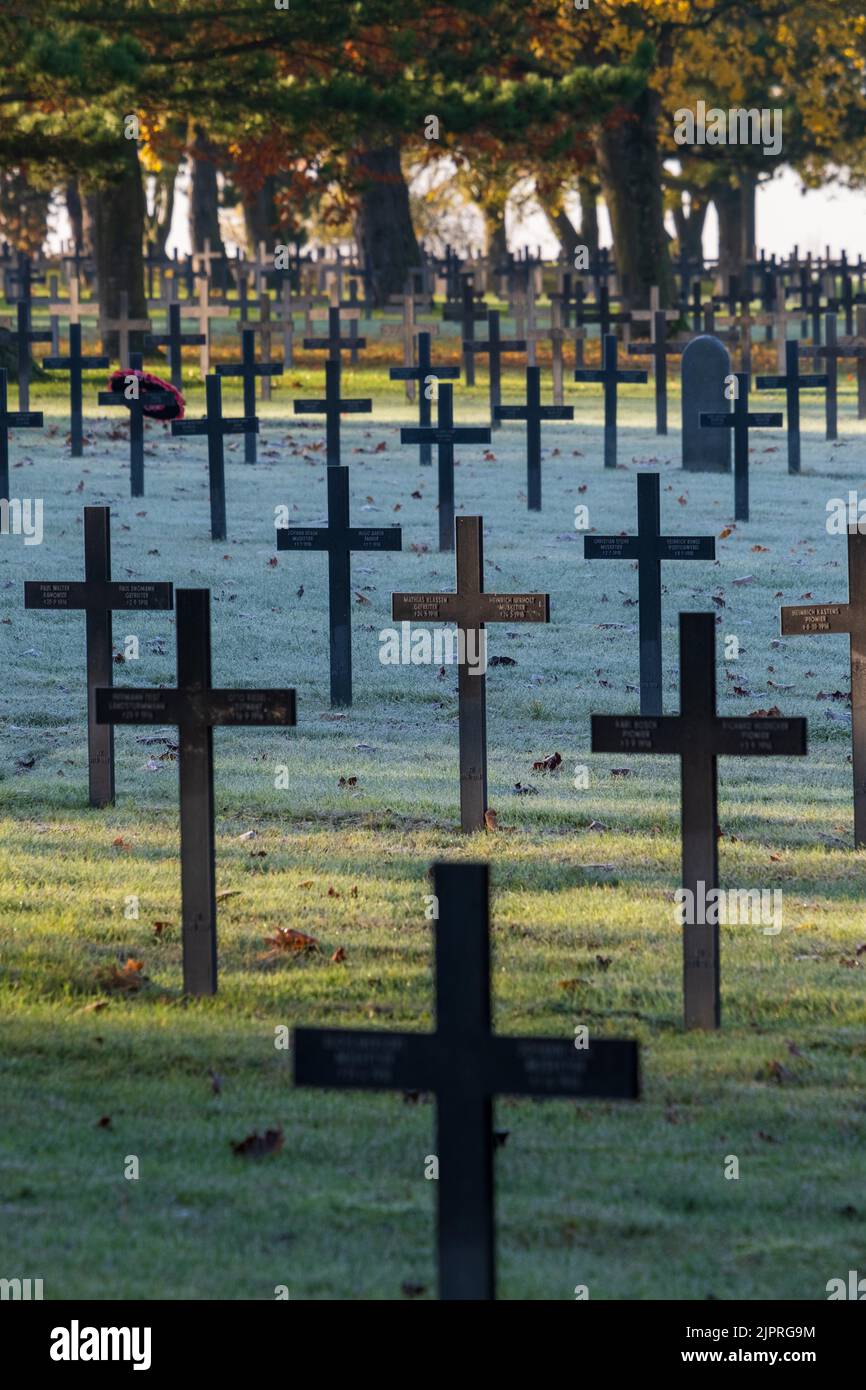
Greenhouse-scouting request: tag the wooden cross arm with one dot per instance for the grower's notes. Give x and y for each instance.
(323, 344)
(609, 1068)
(184, 339)
(815, 619)
(144, 398)
(22, 420)
(256, 369)
(355, 1058)
(86, 310)
(142, 595)
(402, 330)
(245, 424)
(807, 381)
(118, 325)
(55, 364)
(360, 406)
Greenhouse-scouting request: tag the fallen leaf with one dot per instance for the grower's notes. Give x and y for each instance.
(490, 820)
(258, 1145)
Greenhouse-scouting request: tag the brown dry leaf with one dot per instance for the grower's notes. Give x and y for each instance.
(119, 843)
(490, 820)
(359, 598)
(548, 764)
(127, 977)
(410, 1290)
(772, 713)
(603, 962)
(348, 782)
(779, 1073)
(290, 940)
(339, 956)
(273, 562)
(160, 927)
(258, 1145)
(417, 495)
(104, 1122)
(724, 533)
(228, 893)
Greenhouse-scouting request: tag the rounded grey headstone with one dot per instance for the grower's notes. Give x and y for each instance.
(706, 363)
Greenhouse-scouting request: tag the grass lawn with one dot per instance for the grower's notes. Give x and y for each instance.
(628, 1199)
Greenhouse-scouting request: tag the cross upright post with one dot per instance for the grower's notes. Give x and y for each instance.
(98, 596)
(339, 539)
(175, 340)
(792, 383)
(332, 407)
(445, 435)
(137, 402)
(533, 412)
(12, 419)
(75, 364)
(427, 376)
(215, 427)
(610, 377)
(699, 736)
(471, 609)
(248, 369)
(740, 420)
(196, 708)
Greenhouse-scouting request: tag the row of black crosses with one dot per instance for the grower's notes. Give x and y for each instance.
(697, 734)
(445, 434)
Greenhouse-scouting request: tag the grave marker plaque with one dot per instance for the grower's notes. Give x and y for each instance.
(705, 366)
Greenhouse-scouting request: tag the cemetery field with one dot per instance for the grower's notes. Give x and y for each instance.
(330, 829)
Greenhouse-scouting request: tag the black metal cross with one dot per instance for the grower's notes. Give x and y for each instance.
(792, 383)
(699, 736)
(339, 539)
(136, 401)
(833, 352)
(657, 350)
(822, 619)
(649, 547)
(494, 345)
(740, 421)
(98, 596)
(332, 407)
(610, 377)
(196, 708)
(335, 343)
(465, 1065)
(601, 313)
(445, 435)
(467, 312)
(22, 338)
(215, 427)
(248, 368)
(470, 608)
(12, 419)
(424, 374)
(75, 365)
(533, 412)
(175, 340)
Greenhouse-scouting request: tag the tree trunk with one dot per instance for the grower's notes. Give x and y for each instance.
(631, 178)
(728, 206)
(75, 213)
(119, 222)
(204, 220)
(163, 207)
(588, 191)
(383, 225)
(748, 216)
(690, 226)
(496, 249)
(261, 217)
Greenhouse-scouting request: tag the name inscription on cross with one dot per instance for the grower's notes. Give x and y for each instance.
(823, 619)
(649, 547)
(175, 340)
(426, 375)
(215, 427)
(465, 1065)
(792, 383)
(98, 596)
(740, 421)
(137, 401)
(196, 709)
(332, 407)
(75, 364)
(610, 377)
(339, 539)
(471, 609)
(248, 369)
(445, 434)
(12, 419)
(699, 737)
(533, 412)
